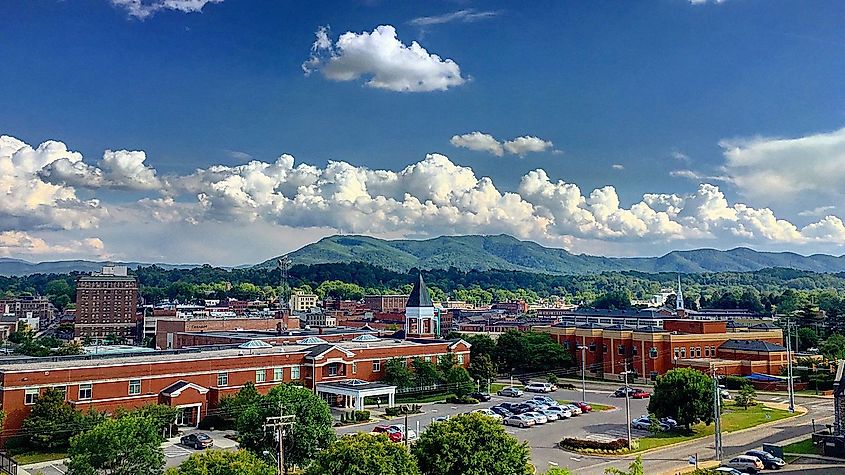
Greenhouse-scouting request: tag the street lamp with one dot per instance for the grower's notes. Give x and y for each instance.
(583, 372)
(627, 405)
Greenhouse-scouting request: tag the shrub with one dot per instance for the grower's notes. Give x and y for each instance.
(461, 400)
(361, 416)
(595, 446)
(735, 382)
(393, 411)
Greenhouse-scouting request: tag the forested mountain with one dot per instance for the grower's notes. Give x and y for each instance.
(508, 253)
(21, 267)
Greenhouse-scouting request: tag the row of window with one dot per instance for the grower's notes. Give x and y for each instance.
(592, 347)
(695, 352)
(86, 391)
(261, 375)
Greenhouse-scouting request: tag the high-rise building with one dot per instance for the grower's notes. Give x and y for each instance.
(302, 302)
(106, 304)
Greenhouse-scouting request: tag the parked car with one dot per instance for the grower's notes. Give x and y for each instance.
(441, 419)
(583, 406)
(668, 421)
(535, 404)
(519, 420)
(640, 394)
(727, 471)
(511, 392)
(562, 411)
(391, 434)
(198, 441)
(642, 423)
(746, 463)
(621, 391)
(522, 408)
(489, 412)
(575, 410)
(481, 396)
(401, 429)
(550, 415)
(501, 411)
(545, 400)
(769, 460)
(540, 387)
(538, 417)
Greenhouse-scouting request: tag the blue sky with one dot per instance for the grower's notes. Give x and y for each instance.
(728, 116)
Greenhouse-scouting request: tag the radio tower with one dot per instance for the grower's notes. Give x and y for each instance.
(283, 264)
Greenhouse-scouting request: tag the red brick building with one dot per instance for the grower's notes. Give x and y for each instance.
(106, 304)
(195, 380)
(386, 303)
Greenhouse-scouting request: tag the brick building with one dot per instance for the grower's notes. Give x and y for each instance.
(385, 303)
(512, 308)
(652, 350)
(168, 329)
(106, 304)
(302, 302)
(195, 380)
(36, 310)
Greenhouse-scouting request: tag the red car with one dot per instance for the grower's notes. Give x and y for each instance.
(584, 406)
(391, 434)
(639, 394)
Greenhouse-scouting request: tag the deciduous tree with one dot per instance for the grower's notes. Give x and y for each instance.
(685, 395)
(364, 454)
(124, 446)
(223, 462)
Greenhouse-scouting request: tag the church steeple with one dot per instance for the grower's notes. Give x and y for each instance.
(420, 318)
(679, 296)
(420, 297)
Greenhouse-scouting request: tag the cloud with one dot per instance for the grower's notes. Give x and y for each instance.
(786, 169)
(482, 142)
(818, 211)
(527, 144)
(692, 175)
(238, 155)
(617, 166)
(19, 243)
(121, 169)
(142, 9)
(382, 60)
(479, 142)
(680, 156)
(460, 16)
(705, 2)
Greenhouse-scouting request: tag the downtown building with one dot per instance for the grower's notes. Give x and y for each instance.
(107, 304)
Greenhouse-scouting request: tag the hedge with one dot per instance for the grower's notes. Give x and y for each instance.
(596, 446)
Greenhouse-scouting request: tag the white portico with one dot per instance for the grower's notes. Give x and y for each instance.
(353, 392)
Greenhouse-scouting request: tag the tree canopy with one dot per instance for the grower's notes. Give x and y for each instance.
(527, 352)
(123, 446)
(223, 462)
(685, 395)
(364, 454)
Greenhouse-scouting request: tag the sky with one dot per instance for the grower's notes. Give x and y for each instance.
(231, 131)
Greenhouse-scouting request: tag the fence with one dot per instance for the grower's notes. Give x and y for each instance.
(7, 465)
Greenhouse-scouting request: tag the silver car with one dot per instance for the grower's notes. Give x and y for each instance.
(575, 410)
(519, 420)
(538, 417)
(550, 415)
(561, 411)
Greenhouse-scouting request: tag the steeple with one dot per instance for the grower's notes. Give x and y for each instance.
(679, 296)
(420, 297)
(421, 320)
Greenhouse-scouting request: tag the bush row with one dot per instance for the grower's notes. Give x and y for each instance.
(461, 400)
(402, 410)
(595, 446)
(354, 416)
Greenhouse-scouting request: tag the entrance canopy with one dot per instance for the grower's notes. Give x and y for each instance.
(355, 390)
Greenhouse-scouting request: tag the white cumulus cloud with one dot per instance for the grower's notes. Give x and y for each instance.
(527, 144)
(19, 243)
(383, 61)
(121, 169)
(479, 142)
(142, 9)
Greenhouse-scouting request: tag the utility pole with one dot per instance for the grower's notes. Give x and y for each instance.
(278, 425)
(717, 415)
(789, 366)
(627, 406)
(583, 372)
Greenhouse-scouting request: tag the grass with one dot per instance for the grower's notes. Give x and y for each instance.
(733, 419)
(805, 446)
(596, 406)
(496, 387)
(26, 458)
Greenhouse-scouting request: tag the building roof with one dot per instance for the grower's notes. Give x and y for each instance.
(735, 324)
(764, 326)
(618, 327)
(591, 326)
(650, 329)
(420, 296)
(752, 345)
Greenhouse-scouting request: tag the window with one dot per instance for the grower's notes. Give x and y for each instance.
(134, 387)
(334, 369)
(278, 374)
(677, 353)
(592, 347)
(634, 350)
(29, 397)
(354, 367)
(260, 376)
(683, 352)
(61, 390)
(698, 352)
(294, 372)
(706, 351)
(566, 345)
(460, 360)
(620, 350)
(604, 348)
(376, 366)
(652, 352)
(222, 379)
(86, 391)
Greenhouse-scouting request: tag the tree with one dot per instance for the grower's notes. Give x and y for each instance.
(833, 347)
(558, 471)
(123, 446)
(635, 468)
(396, 373)
(614, 300)
(311, 433)
(470, 444)
(161, 415)
(51, 422)
(481, 368)
(481, 345)
(459, 381)
(685, 395)
(529, 352)
(70, 348)
(426, 373)
(446, 362)
(746, 396)
(807, 338)
(223, 462)
(364, 454)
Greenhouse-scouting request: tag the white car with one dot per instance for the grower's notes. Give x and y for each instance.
(540, 387)
(550, 415)
(488, 412)
(563, 412)
(519, 420)
(746, 463)
(538, 417)
(545, 400)
(510, 392)
(575, 410)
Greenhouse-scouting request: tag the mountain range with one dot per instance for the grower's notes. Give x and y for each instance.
(489, 252)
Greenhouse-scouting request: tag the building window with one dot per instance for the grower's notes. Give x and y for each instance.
(260, 376)
(592, 347)
(376, 366)
(295, 372)
(698, 352)
(61, 390)
(683, 352)
(460, 360)
(566, 345)
(354, 367)
(652, 352)
(604, 348)
(620, 350)
(29, 397)
(677, 353)
(706, 351)
(635, 350)
(222, 379)
(278, 374)
(134, 387)
(86, 391)
(334, 369)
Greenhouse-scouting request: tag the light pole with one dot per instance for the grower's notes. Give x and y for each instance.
(717, 415)
(789, 367)
(583, 372)
(627, 405)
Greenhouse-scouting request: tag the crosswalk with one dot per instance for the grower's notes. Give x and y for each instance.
(175, 451)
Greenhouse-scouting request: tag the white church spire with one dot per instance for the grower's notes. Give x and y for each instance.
(679, 296)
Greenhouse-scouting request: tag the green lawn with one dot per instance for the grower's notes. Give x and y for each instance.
(596, 406)
(496, 387)
(802, 447)
(733, 419)
(26, 458)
